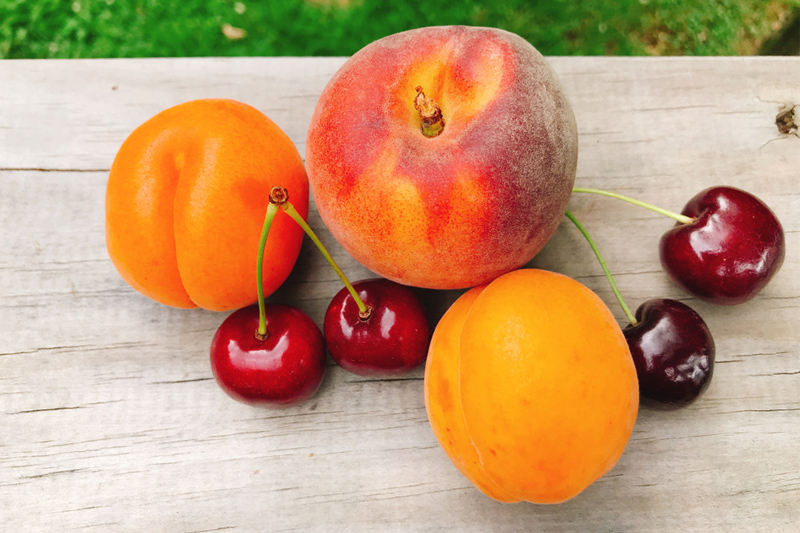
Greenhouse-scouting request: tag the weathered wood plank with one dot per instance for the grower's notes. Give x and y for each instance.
(73, 115)
(111, 420)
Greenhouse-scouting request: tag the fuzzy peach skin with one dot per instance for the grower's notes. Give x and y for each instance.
(530, 387)
(455, 210)
(186, 199)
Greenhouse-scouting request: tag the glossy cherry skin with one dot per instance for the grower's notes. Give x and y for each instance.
(282, 370)
(730, 252)
(392, 341)
(673, 351)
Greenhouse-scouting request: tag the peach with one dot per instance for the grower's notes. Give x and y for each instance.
(448, 203)
(530, 387)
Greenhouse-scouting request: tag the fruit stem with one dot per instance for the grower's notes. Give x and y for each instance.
(364, 311)
(683, 219)
(272, 210)
(610, 278)
(430, 112)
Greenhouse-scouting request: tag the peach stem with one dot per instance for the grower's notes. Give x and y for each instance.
(364, 311)
(683, 219)
(430, 112)
(622, 304)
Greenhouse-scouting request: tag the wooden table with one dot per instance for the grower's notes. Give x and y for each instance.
(110, 419)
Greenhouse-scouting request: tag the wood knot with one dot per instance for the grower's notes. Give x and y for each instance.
(786, 120)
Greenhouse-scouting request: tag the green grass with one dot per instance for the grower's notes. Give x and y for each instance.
(150, 28)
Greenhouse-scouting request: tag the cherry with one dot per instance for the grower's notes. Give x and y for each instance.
(389, 339)
(726, 246)
(670, 344)
(268, 355)
(731, 249)
(281, 368)
(388, 336)
(673, 351)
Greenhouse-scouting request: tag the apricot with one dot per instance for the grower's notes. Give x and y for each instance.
(530, 387)
(186, 199)
(447, 202)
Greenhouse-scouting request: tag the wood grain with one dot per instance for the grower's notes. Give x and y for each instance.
(110, 419)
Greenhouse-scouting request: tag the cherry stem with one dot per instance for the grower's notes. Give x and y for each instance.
(683, 219)
(610, 278)
(364, 311)
(272, 210)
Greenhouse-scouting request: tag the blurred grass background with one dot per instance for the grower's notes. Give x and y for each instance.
(150, 28)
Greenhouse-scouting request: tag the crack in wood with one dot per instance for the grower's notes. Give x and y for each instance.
(115, 291)
(592, 133)
(101, 524)
(390, 493)
(36, 169)
(176, 381)
(46, 409)
(740, 355)
(795, 373)
(78, 509)
(106, 438)
(675, 108)
(46, 348)
(770, 410)
(83, 348)
(636, 141)
(62, 408)
(54, 473)
(386, 380)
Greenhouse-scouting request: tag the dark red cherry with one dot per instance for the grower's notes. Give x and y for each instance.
(391, 341)
(673, 351)
(730, 252)
(282, 370)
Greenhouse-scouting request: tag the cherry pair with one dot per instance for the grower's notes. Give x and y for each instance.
(726, 247)
(274, 355)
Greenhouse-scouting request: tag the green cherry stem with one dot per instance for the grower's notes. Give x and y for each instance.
(364, 311)
(272, 210)
(683, 219)
(610, 278)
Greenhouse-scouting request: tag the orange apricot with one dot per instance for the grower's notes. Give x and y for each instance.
(186, 199)
(443, 401)
(530, 387)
